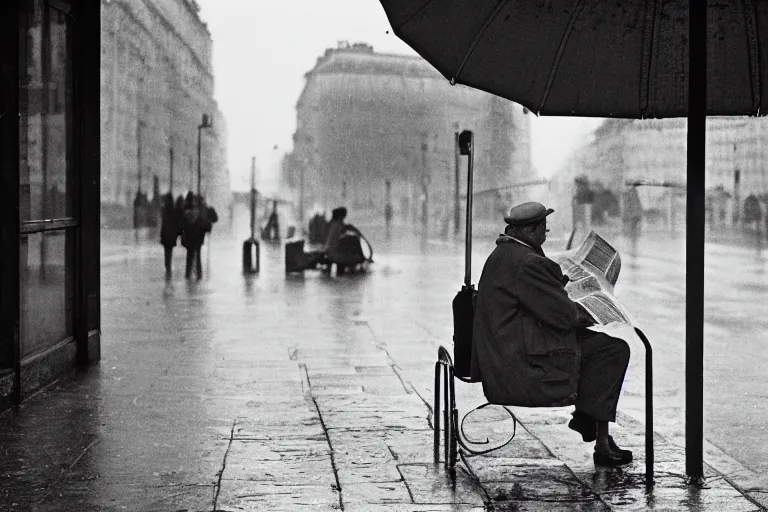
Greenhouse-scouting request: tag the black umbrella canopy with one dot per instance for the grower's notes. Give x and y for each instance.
(607, 58)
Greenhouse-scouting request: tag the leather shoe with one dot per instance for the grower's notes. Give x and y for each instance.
(611, 456)
(615, 447)
(585, 425)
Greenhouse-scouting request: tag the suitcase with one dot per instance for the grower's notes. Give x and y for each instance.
(464, 302)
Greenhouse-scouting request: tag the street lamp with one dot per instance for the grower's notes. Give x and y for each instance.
(205, 124)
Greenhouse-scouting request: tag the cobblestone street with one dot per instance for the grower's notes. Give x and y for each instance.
(313, 392)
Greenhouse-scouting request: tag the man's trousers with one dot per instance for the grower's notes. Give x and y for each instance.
(604, 361)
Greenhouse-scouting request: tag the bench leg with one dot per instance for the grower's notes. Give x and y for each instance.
(447, 416)
(436, 414)
(649, 456)
(454, 415)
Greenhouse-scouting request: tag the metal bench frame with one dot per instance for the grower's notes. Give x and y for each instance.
(453, 430)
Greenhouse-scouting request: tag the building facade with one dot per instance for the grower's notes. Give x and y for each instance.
(49, 169)
(629, 151)
(156, 84)
(374, 129)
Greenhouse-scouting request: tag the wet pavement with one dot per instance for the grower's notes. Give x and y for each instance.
(313, 392)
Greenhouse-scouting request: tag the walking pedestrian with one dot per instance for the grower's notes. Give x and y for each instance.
(272, 229)
(193, 234)
(170, 229)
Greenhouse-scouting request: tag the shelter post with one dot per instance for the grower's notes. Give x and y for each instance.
(253, 197)
(456, 206)
(694, 275)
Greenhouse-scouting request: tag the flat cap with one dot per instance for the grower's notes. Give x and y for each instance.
(527, 213)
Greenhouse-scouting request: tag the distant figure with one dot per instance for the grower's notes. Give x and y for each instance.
(272, 229)
(210, 217)
(170, 229)
(388, 215)
(195, 226)
(318, 229)
(752, 212)
(632, 212)
(334, 251)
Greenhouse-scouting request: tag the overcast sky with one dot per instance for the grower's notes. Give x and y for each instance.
(261, 51)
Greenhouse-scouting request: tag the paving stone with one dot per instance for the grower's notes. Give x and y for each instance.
(528, 482)
(412, 507)
(548, 506)
(374, 403)
(250, 460)
(430, 484)
(251, 496)
(411, 446)
(374, 494)
(372, 420)
(353, 473)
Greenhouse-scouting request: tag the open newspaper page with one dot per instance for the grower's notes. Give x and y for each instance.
(593, 268)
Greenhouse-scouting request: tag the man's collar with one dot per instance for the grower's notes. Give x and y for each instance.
(505, 238)
(521, 242)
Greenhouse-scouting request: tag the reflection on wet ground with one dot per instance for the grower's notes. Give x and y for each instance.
(311, 391)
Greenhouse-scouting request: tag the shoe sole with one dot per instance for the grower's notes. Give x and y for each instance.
(607, 461)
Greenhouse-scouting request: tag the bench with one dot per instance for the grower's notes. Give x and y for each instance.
(455, 442)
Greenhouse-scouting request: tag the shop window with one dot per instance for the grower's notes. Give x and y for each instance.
(46, 286)
(45, 116)
(46, 248)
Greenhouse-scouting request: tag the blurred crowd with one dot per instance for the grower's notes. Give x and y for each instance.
(189, 218)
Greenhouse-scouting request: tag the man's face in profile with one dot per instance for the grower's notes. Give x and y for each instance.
(540, 232)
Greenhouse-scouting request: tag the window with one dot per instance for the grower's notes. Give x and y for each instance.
(46, 249)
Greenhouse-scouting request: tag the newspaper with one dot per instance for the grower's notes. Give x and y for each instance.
(593, 268)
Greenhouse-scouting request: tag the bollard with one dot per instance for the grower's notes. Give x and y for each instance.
(251, 262)
(295, 258)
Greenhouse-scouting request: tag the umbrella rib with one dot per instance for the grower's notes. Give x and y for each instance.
(468, 53)
(408, 20)
(754, 53)
(560, 51)
(649, 40)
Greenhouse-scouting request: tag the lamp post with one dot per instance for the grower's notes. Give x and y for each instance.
(170, 165)
(206, 123)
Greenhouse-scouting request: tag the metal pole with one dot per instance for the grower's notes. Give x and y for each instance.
(424, 191)
(468, 253)
(138, 152)
(649, 453)
(456, 206)
(436, 414)
(253, 197)
(694, 275)
(301, 195)
(199, 174)
(170, 183)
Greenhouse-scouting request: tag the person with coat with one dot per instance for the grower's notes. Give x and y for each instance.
(170, 228)
(193, 234)
(531, 345)
(334, 252)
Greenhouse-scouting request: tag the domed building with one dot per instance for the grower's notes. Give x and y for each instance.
(375, 128)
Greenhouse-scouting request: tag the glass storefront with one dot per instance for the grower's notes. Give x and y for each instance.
(49, 191)
(47, 220)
